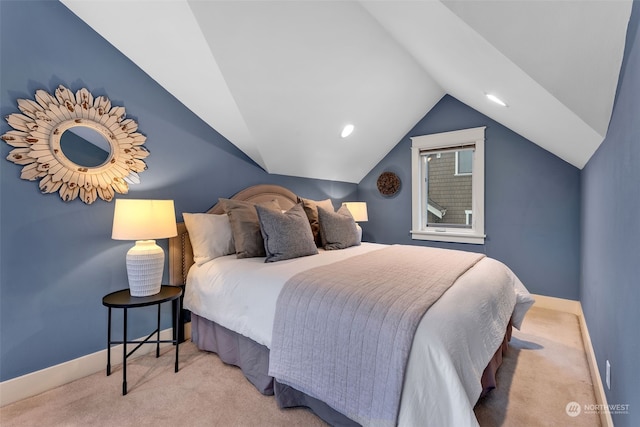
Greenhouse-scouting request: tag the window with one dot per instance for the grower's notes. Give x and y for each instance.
(464, 162)
(448, 186)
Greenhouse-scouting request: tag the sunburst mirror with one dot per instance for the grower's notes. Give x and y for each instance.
(76, 145)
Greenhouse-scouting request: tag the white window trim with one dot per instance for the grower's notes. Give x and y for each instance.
(473, 235)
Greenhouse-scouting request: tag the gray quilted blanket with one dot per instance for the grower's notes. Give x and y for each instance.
(343, 332)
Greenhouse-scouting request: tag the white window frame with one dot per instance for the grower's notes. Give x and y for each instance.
(420, 230)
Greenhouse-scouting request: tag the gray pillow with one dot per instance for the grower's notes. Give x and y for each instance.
(311, 209)
(286, 235)
(337, 229)
(245, 227)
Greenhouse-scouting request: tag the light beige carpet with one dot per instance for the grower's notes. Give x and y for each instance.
(545, 369)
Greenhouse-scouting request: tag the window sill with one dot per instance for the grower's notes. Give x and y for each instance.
(448, 236)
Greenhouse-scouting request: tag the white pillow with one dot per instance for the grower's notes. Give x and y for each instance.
(210, 236)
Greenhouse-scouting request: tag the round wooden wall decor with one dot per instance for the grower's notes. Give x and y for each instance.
(388, 183)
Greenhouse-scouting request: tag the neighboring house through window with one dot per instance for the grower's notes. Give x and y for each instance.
(448, 186)
(464, 162)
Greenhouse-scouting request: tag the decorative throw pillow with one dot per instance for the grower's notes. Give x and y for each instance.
(311, 209)
(245, 226)
(286, 235)
(337, 229)
(210, 236)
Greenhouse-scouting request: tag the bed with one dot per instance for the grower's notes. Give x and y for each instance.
(237, 306)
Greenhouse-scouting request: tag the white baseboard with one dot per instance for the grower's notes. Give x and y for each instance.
(49, 378)
(574, 307)
(601, 397)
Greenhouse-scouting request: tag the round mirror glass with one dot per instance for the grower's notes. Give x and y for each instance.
(85, 146)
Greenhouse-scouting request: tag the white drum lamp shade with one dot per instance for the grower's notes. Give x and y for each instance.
(144, 221)
(358, 211)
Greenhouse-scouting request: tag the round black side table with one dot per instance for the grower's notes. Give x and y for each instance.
(123, 299)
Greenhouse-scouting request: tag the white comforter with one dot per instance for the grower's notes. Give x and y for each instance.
(453, 344)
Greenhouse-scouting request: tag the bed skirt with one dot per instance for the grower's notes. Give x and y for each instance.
(253, 359)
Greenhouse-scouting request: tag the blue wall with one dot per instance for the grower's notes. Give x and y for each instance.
(57, 259)
(610, 282)
(532, 202)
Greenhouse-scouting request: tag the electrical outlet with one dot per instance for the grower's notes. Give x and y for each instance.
(608, 375)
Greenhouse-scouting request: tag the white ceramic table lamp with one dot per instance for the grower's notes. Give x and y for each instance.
(144, 221)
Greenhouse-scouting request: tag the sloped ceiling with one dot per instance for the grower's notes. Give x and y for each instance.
(280, 79)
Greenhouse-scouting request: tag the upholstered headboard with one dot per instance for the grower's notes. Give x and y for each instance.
(180, 251)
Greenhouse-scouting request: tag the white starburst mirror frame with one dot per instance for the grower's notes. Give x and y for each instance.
(37, 135)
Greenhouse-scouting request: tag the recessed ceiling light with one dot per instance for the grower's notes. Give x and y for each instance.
(496, 99)
(346, 131)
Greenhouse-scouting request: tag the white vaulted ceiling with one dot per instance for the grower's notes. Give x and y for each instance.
(280, 79)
